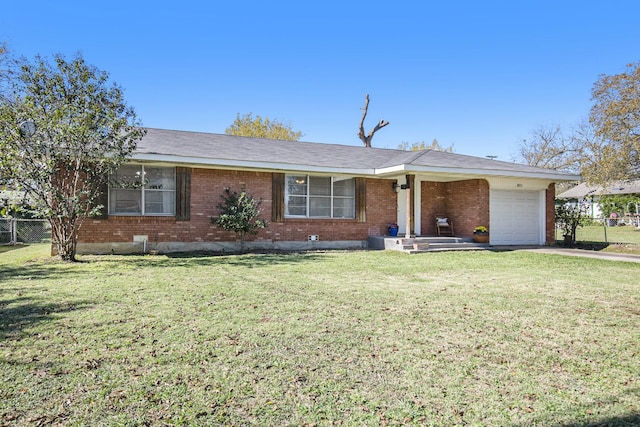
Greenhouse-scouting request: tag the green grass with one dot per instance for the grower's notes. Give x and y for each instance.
(596, 233)
(350, 338)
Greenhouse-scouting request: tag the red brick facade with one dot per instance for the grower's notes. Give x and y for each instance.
(466, 203)
(207, 185)
(550, 217)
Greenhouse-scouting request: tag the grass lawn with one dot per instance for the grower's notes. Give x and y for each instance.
(622, 239)
(337, 338)
(620, 234)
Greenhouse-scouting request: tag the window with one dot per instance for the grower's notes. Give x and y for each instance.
(319, 196)
(142, 190)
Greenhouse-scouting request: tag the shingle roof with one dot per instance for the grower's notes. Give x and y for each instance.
(583, 190)
(251, 150)
(218, 149)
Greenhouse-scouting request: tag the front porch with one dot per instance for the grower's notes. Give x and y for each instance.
(418, 244)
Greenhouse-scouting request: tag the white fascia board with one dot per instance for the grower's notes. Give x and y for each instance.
(476, 172)
(241, 164)
(391, 170)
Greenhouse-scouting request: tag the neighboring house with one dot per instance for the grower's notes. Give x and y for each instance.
(314, 195)
(592, 193)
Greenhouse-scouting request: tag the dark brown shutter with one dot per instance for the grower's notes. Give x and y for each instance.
(277, 197)
(361, 199)
(183, 194)
(103, 199)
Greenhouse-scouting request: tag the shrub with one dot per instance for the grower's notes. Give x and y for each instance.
(240, 213)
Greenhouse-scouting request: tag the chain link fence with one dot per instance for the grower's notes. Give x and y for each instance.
(623, 230)
(14, 231)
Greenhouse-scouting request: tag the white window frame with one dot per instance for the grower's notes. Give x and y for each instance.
(305, 179)
(144, 189)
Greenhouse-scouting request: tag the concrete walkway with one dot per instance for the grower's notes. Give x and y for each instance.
(588, 254)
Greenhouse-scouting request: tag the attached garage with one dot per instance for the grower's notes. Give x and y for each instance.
(517, 217)
(408, 188)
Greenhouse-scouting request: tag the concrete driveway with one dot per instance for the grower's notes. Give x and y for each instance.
(588, 254)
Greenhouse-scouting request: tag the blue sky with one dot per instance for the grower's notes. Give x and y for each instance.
(476, 75)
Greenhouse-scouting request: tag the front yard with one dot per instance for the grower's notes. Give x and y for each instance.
(609, 239)
(348, 338)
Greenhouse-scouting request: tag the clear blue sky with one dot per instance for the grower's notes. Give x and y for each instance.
(478, 75)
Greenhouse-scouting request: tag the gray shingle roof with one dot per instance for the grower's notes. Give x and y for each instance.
(583, 190)
(218, 149)
(257, 150)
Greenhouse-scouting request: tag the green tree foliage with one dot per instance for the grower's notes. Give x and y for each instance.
(239, 213)
(615, 117)
(417, 146)
(5, 64)
(258, 127)
(619, 204)
(16, 204)
(62, 130)
(570, 216)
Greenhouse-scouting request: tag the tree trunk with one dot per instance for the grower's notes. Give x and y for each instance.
(242, 238)
(65, 238)
(568, 240)
(366, 139)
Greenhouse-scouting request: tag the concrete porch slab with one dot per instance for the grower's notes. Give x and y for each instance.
(423, 244)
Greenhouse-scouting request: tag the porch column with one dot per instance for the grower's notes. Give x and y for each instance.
(409, 211)
(407, 232)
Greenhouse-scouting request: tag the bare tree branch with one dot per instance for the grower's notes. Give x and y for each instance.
(366, 139)
(549, 147)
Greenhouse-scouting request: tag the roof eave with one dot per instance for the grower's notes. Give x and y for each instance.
(550, 175)
(249, 165)
(377, 172)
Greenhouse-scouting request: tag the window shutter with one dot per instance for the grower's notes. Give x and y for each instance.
(103, 199)
(277, 197)
(361, 199)
(183, 194)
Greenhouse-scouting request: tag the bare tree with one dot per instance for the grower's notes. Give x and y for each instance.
(366, 139)
(550, 148)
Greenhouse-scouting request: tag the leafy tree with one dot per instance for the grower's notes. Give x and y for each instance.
(258, 127)
(62, 130)
(417, 146)
(5, 66)
(619, 204)
(570, 216)
(615, 117)
(549, 147)
(239, 213)
(16, 204)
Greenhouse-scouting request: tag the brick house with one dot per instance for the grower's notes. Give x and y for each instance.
(314, 195)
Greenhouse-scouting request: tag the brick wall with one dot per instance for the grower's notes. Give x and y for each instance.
(465, 203)
(551, 214)
(207, 185)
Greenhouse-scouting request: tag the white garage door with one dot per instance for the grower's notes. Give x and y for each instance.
(515, 217)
